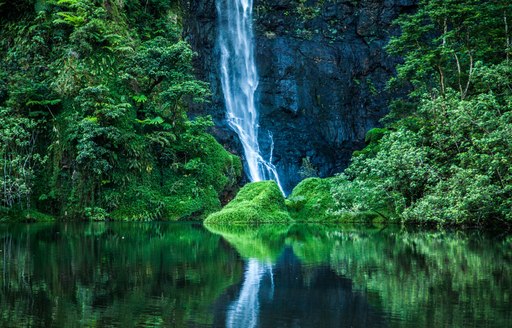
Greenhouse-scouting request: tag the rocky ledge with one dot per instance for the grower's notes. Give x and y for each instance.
(323, 71)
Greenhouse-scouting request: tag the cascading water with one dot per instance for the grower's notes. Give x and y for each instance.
(239, 79)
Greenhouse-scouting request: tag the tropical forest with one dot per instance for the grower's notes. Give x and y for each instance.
(255, 163)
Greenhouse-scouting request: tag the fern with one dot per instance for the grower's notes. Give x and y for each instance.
(140, 99)
(120, 49)
(152, 121)
(69, 19)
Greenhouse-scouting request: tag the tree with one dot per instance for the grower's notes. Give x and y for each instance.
(447, 159)
(444, 39)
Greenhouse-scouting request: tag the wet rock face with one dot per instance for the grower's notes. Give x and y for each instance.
(322, 68)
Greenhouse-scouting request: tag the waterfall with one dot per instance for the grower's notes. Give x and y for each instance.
(244, 311)
(239, 79)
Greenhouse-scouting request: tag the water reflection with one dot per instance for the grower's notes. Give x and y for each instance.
(124, 275)
(244, 312)
(293, 295)
(379, 276)
(181, 275)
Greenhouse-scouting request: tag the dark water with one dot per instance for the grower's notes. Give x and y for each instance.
(183, 275)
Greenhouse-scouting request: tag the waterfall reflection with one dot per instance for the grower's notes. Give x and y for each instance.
(311, 296)
(244, 311)
(365, 276)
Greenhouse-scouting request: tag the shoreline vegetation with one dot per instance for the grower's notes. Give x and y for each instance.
(98, 122)
(94, 115)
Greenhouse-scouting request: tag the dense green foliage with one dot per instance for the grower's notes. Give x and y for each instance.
(261, 202)
(446, 153)
(255, 203)
(312, 201)
(93, 116)
(93, 113)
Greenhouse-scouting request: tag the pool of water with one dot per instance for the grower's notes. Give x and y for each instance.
(185, 275)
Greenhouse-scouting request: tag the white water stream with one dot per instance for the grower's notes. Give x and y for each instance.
(239, 79)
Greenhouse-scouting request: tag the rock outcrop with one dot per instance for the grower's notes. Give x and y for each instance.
(323, 71)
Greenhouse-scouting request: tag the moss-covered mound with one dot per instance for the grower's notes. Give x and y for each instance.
(259, 202)
(311, 201)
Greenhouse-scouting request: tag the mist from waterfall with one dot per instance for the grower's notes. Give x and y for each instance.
(239, 78)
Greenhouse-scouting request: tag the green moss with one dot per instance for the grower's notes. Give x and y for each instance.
(188, 205)
(146, 204)
(190, 191)
(258, 202)
(311, 201)
(219, 168)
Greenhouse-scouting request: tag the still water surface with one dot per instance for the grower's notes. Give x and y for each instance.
(184, 275)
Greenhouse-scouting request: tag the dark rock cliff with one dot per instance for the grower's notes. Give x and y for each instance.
(322, 68)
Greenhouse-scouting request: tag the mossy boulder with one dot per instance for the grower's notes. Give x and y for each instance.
(311, 201)
(258, 202)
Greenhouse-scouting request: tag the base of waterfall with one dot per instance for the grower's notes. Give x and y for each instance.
(257, 202)
(310, 202)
